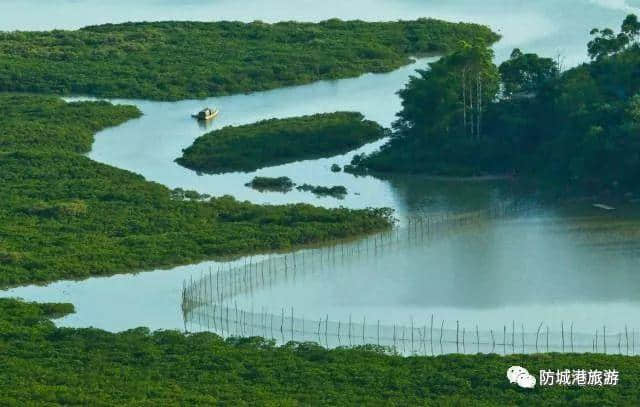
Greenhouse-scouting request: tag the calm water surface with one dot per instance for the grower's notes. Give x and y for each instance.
(554, 265)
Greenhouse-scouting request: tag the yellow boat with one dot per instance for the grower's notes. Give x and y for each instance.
(205, 114)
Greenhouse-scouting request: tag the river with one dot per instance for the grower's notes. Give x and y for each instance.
(548, 266)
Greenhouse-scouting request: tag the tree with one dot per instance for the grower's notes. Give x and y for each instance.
(631, 27)
(526, 73)
(449, 99)
(607, 43)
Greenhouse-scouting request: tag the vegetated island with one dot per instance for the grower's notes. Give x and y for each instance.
(64, 216)
(46, 365)
(572, 132)
(337, 191)
(285, 184)
(180, 60)
(279, 184)
(279, 141)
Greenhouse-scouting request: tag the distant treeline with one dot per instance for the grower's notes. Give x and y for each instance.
(179, 60)
(63, 215)
(279, 141)
(575, 131)
(45, 365)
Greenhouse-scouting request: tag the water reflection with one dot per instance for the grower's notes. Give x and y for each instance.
(205, 125)
(527, 269)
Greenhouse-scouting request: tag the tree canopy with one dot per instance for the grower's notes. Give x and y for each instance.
(574, 131)
(179, 60)
(45, 365)
(279, 141)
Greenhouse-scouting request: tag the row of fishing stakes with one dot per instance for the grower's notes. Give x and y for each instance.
(230, 281)
(206, 302)
(432, 338)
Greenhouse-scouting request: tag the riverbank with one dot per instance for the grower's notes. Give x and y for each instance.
(179, 60)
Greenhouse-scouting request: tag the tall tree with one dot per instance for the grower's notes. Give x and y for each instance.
(449, 99)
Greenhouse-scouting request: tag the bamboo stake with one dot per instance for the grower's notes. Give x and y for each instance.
(364, 323)
(493, 342)
(431, 334)
(571, 336)
(412, 351)
(504, 340)
(547, 338)
(626, 334)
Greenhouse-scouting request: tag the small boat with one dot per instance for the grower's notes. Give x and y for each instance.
(205, 114)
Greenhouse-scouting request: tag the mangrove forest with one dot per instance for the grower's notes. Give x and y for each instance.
(64, 216)
(179, 60)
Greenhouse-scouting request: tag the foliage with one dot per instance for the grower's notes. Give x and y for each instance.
(336, 191)
(65, 216)
(335, 168)
(526, 73)
(279, 184)
(45, 365)
(606, 43)
(49, 123)
(178, 60)
(441, 122)
(574, 132)
(279, 141)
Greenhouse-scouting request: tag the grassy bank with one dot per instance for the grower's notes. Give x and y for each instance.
(66, 216)
(279, 141)
(179, 60)
(44, 365)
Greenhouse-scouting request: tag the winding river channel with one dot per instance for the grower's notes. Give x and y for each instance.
(550, 266)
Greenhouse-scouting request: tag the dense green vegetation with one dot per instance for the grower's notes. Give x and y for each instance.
(285, 184)
(51, 124)
(279, 141)
(178, 60)
(65, 216)
(337, 191)
(575, 131)
(44, 365)
(279, 184)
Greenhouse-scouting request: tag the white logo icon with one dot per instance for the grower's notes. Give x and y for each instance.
(520, 375)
